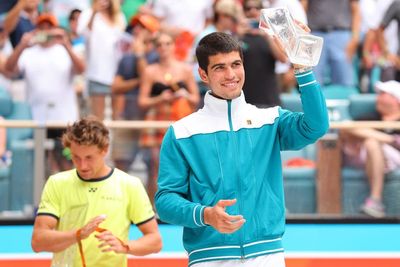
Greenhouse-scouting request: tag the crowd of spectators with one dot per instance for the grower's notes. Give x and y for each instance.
(73, 56)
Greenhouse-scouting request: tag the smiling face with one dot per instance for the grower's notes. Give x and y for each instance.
(225, 75)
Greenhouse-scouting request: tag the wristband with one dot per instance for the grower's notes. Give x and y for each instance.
(78, 235)
(302, 69)
(125, 245)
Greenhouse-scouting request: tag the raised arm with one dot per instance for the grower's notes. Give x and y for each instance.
(62, 38)
(120, 85)
(11, 64)
(12, 18)
(355, 28)
(297, 129)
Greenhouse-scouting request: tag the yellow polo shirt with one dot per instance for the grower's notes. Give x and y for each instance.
(74, 201)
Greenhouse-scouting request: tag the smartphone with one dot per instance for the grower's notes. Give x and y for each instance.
(40, 38)
(254, 24)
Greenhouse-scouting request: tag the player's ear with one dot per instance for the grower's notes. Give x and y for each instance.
(203, 75)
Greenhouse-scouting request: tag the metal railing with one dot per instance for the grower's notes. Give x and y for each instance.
(39, 138)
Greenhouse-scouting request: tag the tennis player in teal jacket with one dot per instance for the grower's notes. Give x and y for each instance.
(220, 172)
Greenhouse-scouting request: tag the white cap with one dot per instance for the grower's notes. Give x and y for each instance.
(390, 87)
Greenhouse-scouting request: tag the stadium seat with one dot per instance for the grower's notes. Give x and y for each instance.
(299, 181)
(335, 91)
(291, 101)
(16, 180)
(354, 181)
(338, 108)
(362, 106)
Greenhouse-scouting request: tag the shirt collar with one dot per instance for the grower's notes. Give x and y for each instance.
(219, 106)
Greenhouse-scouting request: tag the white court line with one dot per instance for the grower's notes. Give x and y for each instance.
(41, 256)
(343, 255)
(183, 255)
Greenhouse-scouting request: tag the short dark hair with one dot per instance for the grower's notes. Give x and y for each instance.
(88, 131)
(73, 12)
(213, 44)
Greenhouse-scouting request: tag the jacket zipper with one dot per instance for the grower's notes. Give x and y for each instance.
(237, 174)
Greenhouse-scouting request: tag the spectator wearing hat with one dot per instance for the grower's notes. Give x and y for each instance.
(126, 83)
(21, 19)
(47, 62)
(378, 152)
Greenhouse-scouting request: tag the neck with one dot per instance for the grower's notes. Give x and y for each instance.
(104, 171)
(217, 96)
(166, 62)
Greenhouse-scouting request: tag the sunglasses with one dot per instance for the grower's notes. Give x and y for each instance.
(248, 8)
(160, 44)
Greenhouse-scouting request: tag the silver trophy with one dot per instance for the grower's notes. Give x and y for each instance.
(301, 47)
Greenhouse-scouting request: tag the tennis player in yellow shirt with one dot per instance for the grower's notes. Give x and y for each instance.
(85, 213)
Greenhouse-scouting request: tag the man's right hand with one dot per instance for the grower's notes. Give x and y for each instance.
(222, 221)
(91, 226)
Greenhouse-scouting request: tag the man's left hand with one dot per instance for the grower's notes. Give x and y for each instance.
(109, 242)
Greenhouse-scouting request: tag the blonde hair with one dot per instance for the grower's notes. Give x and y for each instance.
(114, 10)
(88, 131)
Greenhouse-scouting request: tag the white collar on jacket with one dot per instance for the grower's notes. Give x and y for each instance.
(213, 117)
(218, 106)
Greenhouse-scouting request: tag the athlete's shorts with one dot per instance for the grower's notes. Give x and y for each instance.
(96, 88)
(269, 260)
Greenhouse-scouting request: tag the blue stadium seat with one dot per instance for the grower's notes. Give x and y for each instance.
(299, 182)
(291, 101)
(335, 91)
(362, 106)
(354, 181)
(16, 180)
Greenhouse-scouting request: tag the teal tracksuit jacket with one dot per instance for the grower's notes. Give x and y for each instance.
(231, 150)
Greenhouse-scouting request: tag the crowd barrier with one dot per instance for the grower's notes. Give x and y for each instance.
(328, 188)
